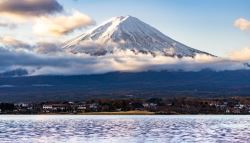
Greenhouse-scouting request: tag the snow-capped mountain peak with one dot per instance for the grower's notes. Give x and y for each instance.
(127, 33)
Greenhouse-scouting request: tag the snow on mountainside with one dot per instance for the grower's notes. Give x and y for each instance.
(128, 33)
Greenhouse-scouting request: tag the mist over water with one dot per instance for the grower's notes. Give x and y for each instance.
(124, 129)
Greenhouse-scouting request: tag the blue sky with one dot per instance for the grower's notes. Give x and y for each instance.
(203, 24)
(207, 25)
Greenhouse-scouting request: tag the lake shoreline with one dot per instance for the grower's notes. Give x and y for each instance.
(116, 113)
(93, 113)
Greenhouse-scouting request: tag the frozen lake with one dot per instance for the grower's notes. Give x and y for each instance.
(124, 129)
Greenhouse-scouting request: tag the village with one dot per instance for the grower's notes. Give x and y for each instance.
(178, 105)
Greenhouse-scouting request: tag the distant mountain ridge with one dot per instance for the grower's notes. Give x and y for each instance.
(205, 83)
(128, 33)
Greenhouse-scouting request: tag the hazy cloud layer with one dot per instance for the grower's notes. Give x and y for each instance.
(48, 48)
(242, 24)
(61, 25)
(61, 63)
(18, 9)
(7, 25)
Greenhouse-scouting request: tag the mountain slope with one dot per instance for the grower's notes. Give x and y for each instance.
(128, 33)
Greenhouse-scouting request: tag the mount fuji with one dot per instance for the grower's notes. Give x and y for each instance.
(127, 33)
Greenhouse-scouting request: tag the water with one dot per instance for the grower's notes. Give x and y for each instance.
(124, 129)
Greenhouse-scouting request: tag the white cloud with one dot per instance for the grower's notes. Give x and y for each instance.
(60, 25)
(19, 10)
(6, 24)
(75, 64)
(242, 24)
(240, 55)
(12, 43)
(48, 48)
